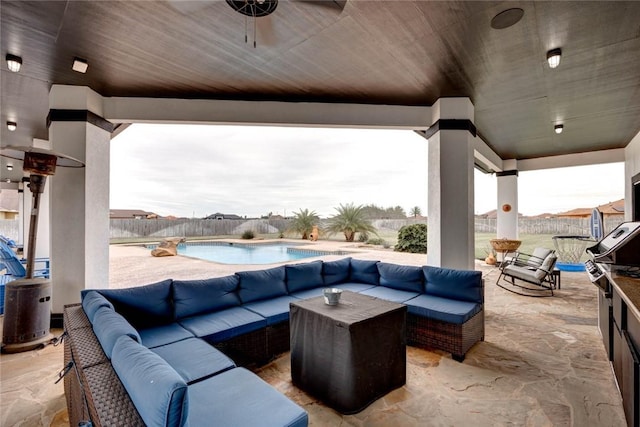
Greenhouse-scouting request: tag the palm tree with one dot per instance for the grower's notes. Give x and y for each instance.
(416, 211)
(349, 221)
(303, 222)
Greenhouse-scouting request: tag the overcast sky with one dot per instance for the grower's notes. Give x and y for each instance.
(199, 170)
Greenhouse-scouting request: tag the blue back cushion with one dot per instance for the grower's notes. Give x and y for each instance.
(364, 271)
(335, 272)
(92, 301)
(462, 285)
(109, 326)
(262, 284)
(158, 392)
(304, 276)
(143, 306)
(401, 277)
(192, 297)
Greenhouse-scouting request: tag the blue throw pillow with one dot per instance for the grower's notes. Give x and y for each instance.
(304, 276)
(335, 272)
(364, 271)
(462, 285)
(143, 306)
(401, 277)
(158, 392)
(192, 297)
(109, 326)
(262, 284)
(92, 301)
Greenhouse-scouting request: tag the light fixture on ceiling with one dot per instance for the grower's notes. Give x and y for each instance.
(12, 126)
(13, 62)
(9, 167)
(507, 18)
(80, 65)
(553, 57)
(558, 129)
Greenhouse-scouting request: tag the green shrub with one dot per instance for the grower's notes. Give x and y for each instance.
(248, 235)
(412, 238)
(376, 241)
(363, 237)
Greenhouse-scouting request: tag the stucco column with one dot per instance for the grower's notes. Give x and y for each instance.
(507, 208)
(450, 169)
(79, 197)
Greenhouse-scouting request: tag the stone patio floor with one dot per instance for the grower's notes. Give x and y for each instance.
(542, 362)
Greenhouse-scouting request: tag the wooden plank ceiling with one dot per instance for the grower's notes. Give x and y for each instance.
(387, 52)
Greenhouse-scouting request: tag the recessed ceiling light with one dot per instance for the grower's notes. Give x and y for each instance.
(507, 18)
(553, 57)
(80, 65)
(13, 62)
(12, 126)
(558, 128)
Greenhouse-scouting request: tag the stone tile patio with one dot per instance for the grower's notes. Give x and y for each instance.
(542, 362)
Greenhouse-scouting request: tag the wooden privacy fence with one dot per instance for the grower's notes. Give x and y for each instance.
(554, 226)
(131, 228)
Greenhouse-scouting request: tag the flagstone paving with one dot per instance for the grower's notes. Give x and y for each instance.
(542, 362)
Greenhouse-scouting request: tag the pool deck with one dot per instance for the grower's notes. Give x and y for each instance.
(542, 362)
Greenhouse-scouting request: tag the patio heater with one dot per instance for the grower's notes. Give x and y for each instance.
(27, 302)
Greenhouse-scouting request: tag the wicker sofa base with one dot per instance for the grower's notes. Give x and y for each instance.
(428, 333)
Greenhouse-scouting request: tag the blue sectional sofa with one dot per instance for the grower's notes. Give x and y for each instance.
(175, 352)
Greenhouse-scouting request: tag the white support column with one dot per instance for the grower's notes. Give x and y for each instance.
(79, 197)
(507, 227)
(451, 237)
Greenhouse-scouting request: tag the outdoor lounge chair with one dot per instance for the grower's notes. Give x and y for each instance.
(15, 266)
(535, 270)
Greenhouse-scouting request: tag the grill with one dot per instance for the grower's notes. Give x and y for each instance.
(621, 247)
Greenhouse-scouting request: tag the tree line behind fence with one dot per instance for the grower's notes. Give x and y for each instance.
(160, 228)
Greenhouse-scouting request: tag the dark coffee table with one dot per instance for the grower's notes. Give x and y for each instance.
(350, 354)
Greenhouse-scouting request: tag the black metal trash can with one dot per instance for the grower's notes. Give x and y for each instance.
(27, 314)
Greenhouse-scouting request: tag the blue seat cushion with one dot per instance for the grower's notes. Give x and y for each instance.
(239, 398)
(364, 271)
(262, 284)
(463, 285)
(402, 277)
(223, 325)
(336, 271)
(191, 297)
(353, 287)
(158, 392)
(308, 293)
(304, 276)
(275, 310)
(163, 334)
(443, 309)
(389, 294)
(194, 359)
(109, 326)
(92, 301)
(143, 306)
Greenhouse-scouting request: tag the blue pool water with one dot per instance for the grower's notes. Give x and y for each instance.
(239, 253)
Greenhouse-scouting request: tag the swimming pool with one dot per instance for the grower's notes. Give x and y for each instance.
(248, 253)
